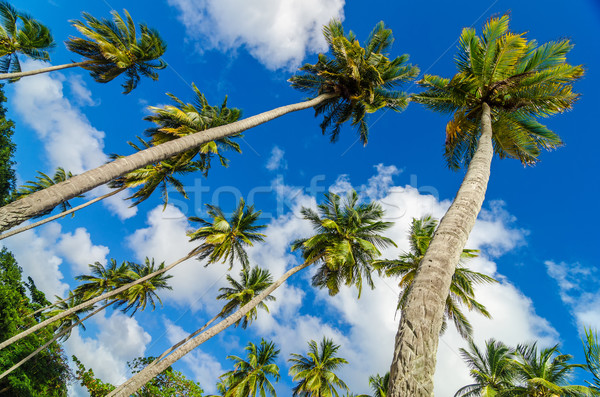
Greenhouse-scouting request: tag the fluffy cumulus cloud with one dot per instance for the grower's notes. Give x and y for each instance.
(578, 289)
(78, 249)
(69, 139)
(278, 33)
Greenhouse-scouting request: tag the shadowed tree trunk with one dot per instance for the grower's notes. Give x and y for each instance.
(413, 365)
(19, 211)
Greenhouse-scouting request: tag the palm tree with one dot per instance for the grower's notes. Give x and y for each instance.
(112, 48)
(237, 232)
(545, 373)
(493, 369)
(504, 82)
(368, 92)
(591, 348)
(461, 289)
(315, 372)
(352, 232)
(28, 37)
(250, 376)
(103, 279)
(379, 384)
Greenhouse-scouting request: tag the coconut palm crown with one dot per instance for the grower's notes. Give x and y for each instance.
(113, 48)
(518, 79)
(19, 33)
(347, 239)
(362, 79)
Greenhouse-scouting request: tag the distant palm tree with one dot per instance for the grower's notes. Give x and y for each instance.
(591, 348)
(346, 242)
(315, 371)
(503, 84)
(463, 280)
(103, 279)
(379, 384)
(112, 48)
(493, 369)
(250, 376)
(19, 33)
(369, 84)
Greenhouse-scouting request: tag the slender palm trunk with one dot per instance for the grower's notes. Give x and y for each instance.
(148, 373)
(64, 213)
(56, 337)
(18, 75)
(18, 211)
(90, 302)
(49, 306)
(413, 365)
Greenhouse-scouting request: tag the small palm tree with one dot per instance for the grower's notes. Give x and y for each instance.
(366, 92)
(493, 370)
(19, 33)
(379, 384)
(463, 280)
(315, 371)
(504, 83)
(225, 240)
(103, 279)
(250, 376)
(139, 295)
(112, 48)
(591, 348)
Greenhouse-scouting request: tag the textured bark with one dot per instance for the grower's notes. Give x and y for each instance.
(56, 337)
(88, 303)
(148, 373)
(413, 365)
(18, 75)
(64, 213)
(16, 212)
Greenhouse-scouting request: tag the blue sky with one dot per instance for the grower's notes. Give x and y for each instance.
(536, 232)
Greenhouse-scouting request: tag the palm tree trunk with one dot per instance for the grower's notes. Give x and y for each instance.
(148, 373)
(18, 75)
(413, 365)
(49, 306)
(18, 211)
(45, 345)
(64, 213)
(90, 302)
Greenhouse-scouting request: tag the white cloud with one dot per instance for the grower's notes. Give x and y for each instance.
(276, 161)
(578, 289)
(82, 95)
(77, 249)
(278, 33)
(205, 367)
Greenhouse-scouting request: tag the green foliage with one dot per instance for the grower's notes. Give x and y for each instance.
(315, 372)
(379, 384)
(463, 280)
(518, 79)
(361, 80)
(225, 240)
(19, 33)
(250, 376)
(44, 181)
(47, 374)
(166, 384)
(113, 48)
(348, 238)
(591, 348)
(7, 151)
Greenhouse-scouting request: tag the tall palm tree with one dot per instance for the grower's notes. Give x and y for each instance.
(545, 373)
(250, 376)
(19, 33)
(493, 369)
(503, 83)
(111, 48)
(237, 232)
(352, 231)
(379, 384)
(591, 348)
(102, 278)
(315, 371)
(364, 92)
(463, 280)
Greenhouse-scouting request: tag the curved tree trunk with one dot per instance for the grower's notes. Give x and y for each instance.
(90, 302)
(64, 213)
(148, 373)
(18, 211)
(413, 365)
(57, 336)
(18, 75)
